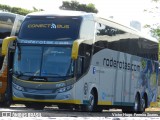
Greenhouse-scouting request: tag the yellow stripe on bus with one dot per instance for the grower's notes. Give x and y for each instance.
(104, 103)
(51, 101)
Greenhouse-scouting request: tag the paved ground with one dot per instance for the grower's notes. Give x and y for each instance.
(54, 112)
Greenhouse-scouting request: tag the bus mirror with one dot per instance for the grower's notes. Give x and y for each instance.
(5, 44)
(75, 48)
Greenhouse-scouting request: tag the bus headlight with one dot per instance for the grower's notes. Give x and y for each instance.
(64, 89)
(18, 87)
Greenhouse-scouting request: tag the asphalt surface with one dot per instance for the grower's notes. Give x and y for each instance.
(53, 112)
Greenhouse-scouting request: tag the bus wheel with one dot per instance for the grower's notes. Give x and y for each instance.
(136, 107)
(6, 104)
(139, 106)
(143, 105)
(92, 102)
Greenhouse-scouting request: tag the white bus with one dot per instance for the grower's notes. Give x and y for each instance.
(84, 61)
(9, 26)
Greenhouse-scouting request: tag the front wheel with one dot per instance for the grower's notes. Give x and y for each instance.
(6, 103)
(92, 103)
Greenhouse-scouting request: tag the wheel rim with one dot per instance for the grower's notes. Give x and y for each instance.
(143, 104)
(136, 104)
(91, 103)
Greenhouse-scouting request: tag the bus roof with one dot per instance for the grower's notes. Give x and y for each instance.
(10, 14)
(60, 13)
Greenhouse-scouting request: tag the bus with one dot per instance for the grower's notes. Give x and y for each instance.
(83, 61)
(9, 26)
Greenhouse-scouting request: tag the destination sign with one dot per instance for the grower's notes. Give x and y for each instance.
(46, 42)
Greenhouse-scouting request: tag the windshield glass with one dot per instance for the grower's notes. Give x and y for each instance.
(57, 28)
(43, 61)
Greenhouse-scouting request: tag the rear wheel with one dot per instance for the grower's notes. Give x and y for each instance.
(136, 107)
(143, 105)
(139, 106)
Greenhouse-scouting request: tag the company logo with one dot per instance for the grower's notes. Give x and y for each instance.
(111, 62)
(52, 26)
(94, 70)
(39, 25)
(38, 79)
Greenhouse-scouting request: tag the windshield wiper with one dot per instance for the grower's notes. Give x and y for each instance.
(19, 74)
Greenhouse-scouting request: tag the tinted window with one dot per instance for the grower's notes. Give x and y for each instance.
(6, 24)
(49, 28)
(118, 40)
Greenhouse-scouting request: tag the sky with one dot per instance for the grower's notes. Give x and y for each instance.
(121, 10)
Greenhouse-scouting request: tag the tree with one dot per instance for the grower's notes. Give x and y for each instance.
(154, 28)
(18, 10)
(74, 5)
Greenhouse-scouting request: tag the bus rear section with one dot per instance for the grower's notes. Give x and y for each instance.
(9, 26)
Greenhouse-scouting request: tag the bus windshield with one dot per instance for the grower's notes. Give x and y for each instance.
(44, 61)
(50, 28)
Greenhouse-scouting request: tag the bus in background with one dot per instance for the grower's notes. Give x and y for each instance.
(9, 26)
(82, 60)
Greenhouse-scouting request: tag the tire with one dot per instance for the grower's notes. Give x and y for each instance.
(6, 103)
(92, 105)
(34, 106)
(139, 106)
(136, 107)
(143, 105)
(92, 102)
